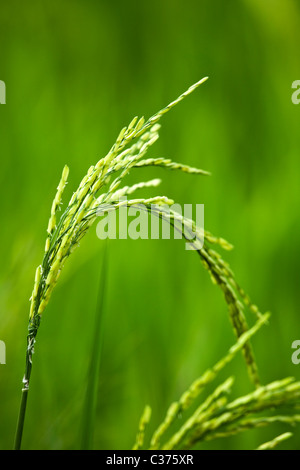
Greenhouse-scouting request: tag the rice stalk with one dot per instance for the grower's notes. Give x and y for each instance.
(145, 418)
(170, 165)
(216, 418)
(274, 443)
(253, 423)
(65, 233)
(190, 395)
(276, 395)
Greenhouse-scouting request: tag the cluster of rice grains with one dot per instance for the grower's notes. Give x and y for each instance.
(100, 187)
(216, 417)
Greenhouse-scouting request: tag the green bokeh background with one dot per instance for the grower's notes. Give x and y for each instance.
(78, 71)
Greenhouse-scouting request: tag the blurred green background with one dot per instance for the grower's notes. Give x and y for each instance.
(76, 72)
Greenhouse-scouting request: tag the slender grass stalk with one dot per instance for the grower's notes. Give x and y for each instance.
(89, 409)
(21, 419)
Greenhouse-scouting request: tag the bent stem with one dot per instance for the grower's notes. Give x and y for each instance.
(64, 234)
(32, 332)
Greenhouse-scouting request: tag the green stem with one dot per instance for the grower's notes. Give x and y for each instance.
(89, 409)
(33, 326)
(21, 419)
